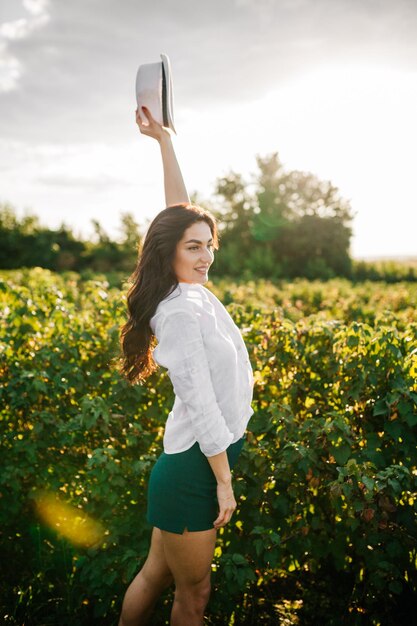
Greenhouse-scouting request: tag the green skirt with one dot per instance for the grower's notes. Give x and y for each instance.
(182, 490)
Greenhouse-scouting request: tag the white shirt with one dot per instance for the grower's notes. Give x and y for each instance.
(209, 367)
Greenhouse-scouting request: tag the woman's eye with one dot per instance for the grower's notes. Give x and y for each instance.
(196, 247)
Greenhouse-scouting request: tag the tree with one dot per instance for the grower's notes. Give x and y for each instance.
(131, 233)
(292, 223)
(26, 243)
(236, 215)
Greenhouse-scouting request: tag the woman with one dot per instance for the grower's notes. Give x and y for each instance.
(190, 493)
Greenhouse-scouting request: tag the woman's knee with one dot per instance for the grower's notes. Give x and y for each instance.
(194, 594)
(156, 575)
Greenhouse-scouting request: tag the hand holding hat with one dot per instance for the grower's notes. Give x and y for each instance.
(152, 128)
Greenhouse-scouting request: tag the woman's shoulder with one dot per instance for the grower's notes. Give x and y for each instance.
(185, 297)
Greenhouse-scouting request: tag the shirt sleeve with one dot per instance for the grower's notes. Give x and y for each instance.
(181, 350)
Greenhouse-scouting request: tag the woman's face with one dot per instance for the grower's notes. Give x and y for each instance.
(194, 254)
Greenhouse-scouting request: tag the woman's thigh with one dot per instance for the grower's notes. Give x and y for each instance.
(156, 568)
(189, 556)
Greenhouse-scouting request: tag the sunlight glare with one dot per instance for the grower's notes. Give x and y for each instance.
(68, 520)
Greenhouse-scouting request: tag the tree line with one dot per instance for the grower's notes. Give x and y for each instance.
(279, 224)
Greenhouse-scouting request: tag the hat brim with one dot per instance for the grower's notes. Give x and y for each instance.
(168, 96)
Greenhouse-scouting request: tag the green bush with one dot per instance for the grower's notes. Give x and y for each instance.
(325, 530)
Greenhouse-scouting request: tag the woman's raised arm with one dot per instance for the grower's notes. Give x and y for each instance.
(175, 191)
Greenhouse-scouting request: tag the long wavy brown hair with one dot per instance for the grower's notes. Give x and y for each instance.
(152, 280)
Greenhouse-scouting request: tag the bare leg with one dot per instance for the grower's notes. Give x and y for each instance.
(189, 558)
(145, 589)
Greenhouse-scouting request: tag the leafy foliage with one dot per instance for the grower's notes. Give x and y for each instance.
(26, 243)
(290, 224)
(325, 530)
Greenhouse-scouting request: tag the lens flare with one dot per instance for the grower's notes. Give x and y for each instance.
(68, 520)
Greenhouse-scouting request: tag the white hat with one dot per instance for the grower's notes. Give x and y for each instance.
(154, 91)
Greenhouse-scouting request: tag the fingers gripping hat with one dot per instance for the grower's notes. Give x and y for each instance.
(154, 91)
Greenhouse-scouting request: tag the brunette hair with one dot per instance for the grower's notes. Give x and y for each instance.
(152, 280)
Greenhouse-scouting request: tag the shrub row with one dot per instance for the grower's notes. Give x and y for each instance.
(325, 530)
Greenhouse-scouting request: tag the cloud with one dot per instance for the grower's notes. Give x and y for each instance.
(69, 69)
(11, 68)
(84, 167)
(100, 182)
(36, 7)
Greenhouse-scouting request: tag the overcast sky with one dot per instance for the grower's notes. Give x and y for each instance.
(331, 85)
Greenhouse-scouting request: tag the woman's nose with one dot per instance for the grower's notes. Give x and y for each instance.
(207, 257)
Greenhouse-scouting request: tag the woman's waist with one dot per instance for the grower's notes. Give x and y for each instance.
(179, 435)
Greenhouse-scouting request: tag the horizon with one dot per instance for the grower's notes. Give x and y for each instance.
(400, 258)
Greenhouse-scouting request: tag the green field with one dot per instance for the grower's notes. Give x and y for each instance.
(325, 530)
